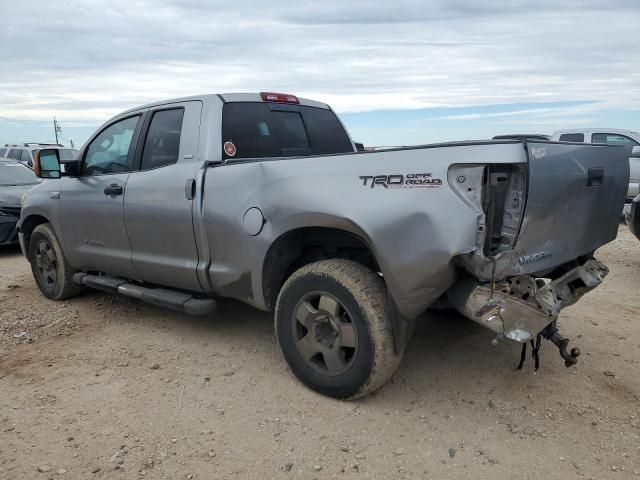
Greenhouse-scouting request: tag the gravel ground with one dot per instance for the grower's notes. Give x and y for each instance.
(106, 387)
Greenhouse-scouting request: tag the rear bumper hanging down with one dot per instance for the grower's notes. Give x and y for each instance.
(519, 308)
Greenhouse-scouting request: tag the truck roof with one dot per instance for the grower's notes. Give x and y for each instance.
(225, 97)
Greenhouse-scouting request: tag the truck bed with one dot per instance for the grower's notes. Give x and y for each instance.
(422, 233)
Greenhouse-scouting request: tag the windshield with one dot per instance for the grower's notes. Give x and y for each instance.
(65, 153)
(14, 173)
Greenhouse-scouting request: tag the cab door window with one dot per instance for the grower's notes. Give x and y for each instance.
(162, 145)
(110, 151)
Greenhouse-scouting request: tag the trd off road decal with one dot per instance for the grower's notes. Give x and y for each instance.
(410, 180)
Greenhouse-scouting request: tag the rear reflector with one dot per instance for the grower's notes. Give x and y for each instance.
(278, 97)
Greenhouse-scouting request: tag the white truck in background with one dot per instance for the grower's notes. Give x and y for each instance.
(609, 136)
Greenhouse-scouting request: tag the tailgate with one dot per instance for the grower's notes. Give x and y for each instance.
(575, 195)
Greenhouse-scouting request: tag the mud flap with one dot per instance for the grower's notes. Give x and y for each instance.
(401, 327)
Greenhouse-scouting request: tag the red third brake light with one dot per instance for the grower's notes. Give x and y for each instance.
(279, 97)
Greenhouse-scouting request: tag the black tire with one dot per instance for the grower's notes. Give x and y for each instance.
(52, 272)
(354, 342)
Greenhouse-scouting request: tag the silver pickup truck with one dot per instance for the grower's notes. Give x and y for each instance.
(264, 198)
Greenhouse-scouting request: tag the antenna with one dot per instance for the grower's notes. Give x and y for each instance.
(56, 128)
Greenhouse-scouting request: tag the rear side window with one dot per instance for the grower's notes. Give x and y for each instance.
(572, 137)
(162, 145)
(2, 152)
(258, 131)
(15, 154)
(613, 139)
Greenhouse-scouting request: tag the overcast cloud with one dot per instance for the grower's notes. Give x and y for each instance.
(559, 63)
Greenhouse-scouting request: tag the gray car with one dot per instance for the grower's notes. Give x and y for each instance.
(263, 198)
(15, 180)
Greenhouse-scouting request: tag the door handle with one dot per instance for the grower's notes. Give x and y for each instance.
(190, 189)
(113, 189)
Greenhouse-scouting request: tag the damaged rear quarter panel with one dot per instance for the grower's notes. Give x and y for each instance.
(565, 217)
(414, 232)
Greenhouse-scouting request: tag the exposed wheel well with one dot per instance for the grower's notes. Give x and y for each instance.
(303, 246)
(28, 225)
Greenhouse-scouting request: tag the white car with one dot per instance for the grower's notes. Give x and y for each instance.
(609, 136)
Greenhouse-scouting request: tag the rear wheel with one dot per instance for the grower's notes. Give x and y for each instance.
(52, 272)
(332, 324)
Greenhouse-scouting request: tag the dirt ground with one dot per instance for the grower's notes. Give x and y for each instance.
(106, 387)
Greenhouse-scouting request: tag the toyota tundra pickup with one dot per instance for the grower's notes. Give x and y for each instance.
(263, 198)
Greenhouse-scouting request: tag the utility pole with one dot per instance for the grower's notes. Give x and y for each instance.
(56, 128)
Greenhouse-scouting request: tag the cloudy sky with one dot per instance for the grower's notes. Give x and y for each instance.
(397, 72)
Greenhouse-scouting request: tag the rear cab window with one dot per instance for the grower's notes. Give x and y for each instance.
(261, 130)
(572, 137)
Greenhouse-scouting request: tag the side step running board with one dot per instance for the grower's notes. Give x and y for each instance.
(162, 297)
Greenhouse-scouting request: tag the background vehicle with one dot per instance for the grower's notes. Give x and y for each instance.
(609, 136)
(15, 179)
(632, 212)
(263, 198)
(24, 152)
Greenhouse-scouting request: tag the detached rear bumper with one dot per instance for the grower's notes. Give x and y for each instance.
(521, 307)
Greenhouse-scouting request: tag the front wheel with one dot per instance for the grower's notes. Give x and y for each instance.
(332, 324)
(52, 272)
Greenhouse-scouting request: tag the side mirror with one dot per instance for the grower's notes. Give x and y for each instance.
(359, 146)
(46, 163)
(71, 168)
(635, 152)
